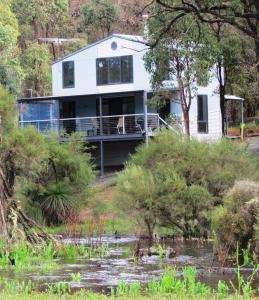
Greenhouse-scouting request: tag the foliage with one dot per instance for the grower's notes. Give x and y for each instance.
(181, 180)
(8, 112)
(47, 174)
(10, 69)
(36, 65)
(100, 15)
(183, 60)
(139, 200)
(39, 18)
(58, 288)
(23, 255)
(234, 222)
(61, 185)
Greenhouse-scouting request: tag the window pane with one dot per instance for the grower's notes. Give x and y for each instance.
(102, 71)
(202, 113)
(68, 74)
(127, 69)
(202, 127)
(114, 70)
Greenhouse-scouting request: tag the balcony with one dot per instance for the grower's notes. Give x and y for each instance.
(101, 128)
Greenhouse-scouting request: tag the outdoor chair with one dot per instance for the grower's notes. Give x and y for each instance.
(140, 124)
(95, 126)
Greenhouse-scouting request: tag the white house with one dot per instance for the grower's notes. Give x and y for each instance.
(101, 91)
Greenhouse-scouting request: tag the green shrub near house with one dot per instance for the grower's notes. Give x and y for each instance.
(236, 221)
(62, 186)
(177, 182)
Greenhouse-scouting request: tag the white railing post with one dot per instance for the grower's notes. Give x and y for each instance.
(123, 125)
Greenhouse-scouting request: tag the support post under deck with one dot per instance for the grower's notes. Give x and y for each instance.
(101, 159)
(101, 114)
(145, 117)
(101, 133)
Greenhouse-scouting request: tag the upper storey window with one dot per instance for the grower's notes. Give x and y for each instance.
(68, 74)
(114, 70)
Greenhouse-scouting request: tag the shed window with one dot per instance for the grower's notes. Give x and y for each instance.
(68, 74)
(203, 114)
(114, 70)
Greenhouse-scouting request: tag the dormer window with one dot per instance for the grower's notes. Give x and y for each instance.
(114, 70)
(68, 70)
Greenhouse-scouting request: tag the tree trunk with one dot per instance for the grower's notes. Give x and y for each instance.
(257, 63)
(221, 95)
(150, 229)
(186, 122)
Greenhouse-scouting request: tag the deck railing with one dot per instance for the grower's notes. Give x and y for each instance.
(99, 126)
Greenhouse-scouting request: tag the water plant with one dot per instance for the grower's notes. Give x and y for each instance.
(25, 256)
(15, 286)
(76, 277)
(170, 283)
(59, 288)
(222, 288)
(244, 284)
(161, 251)
(135, 289)
(122, 289)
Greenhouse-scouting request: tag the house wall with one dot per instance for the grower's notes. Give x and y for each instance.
(85, 69)
(214, 112)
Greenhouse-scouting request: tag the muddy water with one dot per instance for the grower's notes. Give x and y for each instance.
(99, 274)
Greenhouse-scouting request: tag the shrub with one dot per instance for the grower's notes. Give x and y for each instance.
(236, 220)
(61, 185)
(177, 181)
(136, 196)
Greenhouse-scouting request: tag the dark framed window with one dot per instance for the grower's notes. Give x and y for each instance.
(114, 70)
(202, 114)
(68, 69)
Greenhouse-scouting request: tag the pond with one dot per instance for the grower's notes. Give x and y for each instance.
(100, 274)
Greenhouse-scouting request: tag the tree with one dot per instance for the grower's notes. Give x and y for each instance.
(15, 153)
(181, 56)
(139, 200)
(98, 19)
(240, 15)
(36, 65)
(40, 18)
(10, 70)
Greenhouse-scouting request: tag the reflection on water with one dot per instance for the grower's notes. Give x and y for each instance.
(100, 274)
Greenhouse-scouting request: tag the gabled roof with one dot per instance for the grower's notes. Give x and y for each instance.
(133, 38)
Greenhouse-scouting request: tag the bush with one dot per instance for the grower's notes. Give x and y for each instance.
(61, 186)
(236, 220)
(178, 180)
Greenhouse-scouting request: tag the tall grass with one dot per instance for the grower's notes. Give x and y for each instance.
(174, 284)
(25, 256)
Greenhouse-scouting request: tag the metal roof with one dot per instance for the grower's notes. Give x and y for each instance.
(233, 97)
